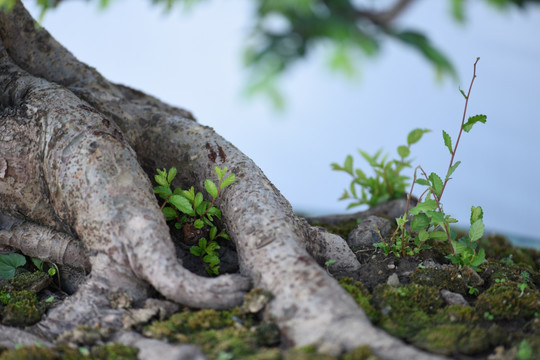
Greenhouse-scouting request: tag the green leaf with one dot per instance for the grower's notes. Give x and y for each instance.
(214, 211)
(9, 263)
(458, 11)
(360, 174)
(426, 205)
(198, 200)
(452, 169)
(224, 235)
(372, 161)
(195, 250)
(161, 180)
(476, 230)
(38, 263)
(463, 93)
(169, 213)
(423, 235)
(415, 135)
(348, 167)
(345, 195)
(352, 187)
(403, 151)
(336, 167)
(51, 271)
(422, 182)
(212, 247)
(220, 173)
(438, 235)
(213, 233)
(163, 191)
(202, 243)
(479, 258)
(476, 213)
(448, 141)
(211, 188)
(419, 222)
(436, 184)
(188, 194)
(473, 120)
(201, 209)
(228, 181)
(459, 247)
(198, 224)
(208, 220)
(172, 174)
(182, 204)
(436, 217)
(211, 259)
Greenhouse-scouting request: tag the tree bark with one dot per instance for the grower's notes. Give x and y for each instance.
(77, 150)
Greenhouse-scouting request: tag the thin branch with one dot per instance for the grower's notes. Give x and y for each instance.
(384, 18)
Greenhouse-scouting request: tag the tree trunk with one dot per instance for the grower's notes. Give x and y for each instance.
(77, 150)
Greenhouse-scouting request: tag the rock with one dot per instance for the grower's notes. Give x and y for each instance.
(452, 298)
(393, 280)
(368, 232)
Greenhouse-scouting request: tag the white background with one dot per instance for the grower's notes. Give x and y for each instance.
(193, 60)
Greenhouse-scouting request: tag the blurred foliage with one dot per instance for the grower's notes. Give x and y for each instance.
(285, 31)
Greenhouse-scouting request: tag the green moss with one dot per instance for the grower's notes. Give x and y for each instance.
(406, 309)
(31, 281)
(506, 302)
(447, 339)
(101, 352)
(362, 296)
(449, 278)
(220, 334)
(474, 341)
(363, 352)
(114, 352)
(499, 247)
(455, 314)
(306, 353)
(188, 322)
(240, 343)
(41, 353)
(21, 308)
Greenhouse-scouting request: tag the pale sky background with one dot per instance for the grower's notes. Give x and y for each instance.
(193, 60)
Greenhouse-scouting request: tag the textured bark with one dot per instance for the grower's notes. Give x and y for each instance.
(76, 149)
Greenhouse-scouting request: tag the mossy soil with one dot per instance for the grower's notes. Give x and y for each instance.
(496, 315)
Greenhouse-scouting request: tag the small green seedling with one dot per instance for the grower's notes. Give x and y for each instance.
(525, 277)
(189, 207)
(388, 182)
(473, 291)
(208, 252)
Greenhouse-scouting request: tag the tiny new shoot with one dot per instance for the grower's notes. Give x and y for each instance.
(189, 207)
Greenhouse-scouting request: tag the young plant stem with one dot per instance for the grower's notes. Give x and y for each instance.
(438, 200)
(461, 128)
